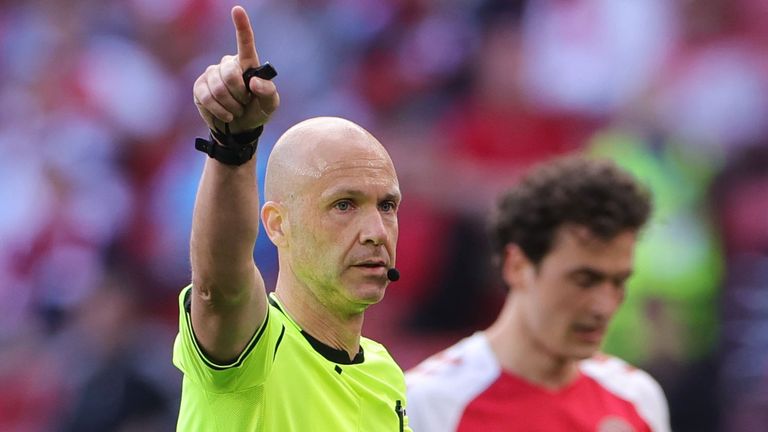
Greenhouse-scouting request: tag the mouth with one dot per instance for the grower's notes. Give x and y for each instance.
(590, 334)
(372, 267)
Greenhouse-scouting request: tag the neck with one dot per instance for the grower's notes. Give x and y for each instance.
(519, 353)
(321, 319)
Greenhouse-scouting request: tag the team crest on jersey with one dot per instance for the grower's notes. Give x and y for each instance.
(614, 424)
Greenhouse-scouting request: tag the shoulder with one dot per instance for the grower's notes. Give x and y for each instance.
(631, 384)
(378, 356)
(249, 369)
(460, 371)
(440, 387)
(619, 376)
(373, 347)
(468, 359)
(384, 373)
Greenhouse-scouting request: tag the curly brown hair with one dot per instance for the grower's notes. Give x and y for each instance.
(594, 193)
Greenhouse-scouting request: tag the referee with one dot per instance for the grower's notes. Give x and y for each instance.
(294, 360)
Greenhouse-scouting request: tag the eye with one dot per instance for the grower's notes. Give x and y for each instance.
(388, 206)
(586, 280)
(620, 283)
(343, 205)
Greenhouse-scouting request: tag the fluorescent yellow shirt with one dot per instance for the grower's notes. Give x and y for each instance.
(286, 381)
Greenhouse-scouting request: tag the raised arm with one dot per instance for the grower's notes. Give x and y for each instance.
(228, 297)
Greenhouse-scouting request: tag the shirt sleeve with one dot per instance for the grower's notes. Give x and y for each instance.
(250, 369)
(657, 410)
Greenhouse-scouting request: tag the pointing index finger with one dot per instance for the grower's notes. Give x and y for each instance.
(246, 47)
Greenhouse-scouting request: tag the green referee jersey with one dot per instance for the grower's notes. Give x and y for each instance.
(285, 380)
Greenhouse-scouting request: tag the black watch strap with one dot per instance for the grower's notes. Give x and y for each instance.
(236, 149)
(229, 148)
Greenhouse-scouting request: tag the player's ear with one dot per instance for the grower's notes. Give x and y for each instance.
(275, 223)
(515, 267)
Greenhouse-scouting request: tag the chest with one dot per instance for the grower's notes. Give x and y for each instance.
(588, 408)
(308, 392)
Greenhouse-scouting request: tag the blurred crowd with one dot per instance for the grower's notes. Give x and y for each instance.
(99, 173)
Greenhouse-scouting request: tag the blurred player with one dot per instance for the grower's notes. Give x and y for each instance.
(564, 239)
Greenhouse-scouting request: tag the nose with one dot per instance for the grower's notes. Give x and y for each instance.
(373, 230)
(606, 300)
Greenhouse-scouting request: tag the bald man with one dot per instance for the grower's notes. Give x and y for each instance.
(294, 360)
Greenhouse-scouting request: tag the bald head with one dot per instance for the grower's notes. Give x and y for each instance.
(317, 146)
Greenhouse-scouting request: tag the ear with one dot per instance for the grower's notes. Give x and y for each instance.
(516, 268)
(275, 223)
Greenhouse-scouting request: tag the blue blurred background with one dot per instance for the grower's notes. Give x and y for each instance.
(99, 174)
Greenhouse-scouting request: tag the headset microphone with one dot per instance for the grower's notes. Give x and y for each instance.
(393, 275)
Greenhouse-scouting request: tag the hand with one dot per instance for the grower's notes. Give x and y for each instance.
(220, 93)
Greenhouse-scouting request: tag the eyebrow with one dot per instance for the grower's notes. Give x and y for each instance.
(357, 193)
(592, 272)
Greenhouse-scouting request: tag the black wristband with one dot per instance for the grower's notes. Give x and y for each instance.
(236, 149)
(229, 148)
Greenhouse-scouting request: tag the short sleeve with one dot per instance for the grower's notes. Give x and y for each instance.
(250, 369)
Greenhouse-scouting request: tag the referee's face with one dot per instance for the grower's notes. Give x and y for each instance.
(344, 227)
(569, 299)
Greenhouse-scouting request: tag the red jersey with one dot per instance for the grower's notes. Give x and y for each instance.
(464, 389)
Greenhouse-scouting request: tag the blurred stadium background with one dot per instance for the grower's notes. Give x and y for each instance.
(99, 173)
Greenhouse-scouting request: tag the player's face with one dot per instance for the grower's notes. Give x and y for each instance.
(346, 231)
(575, 291)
